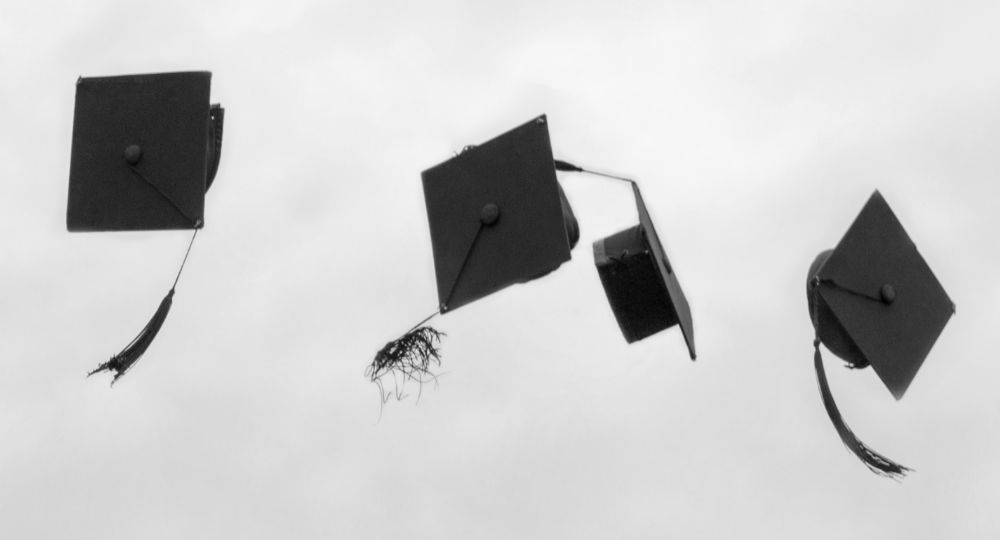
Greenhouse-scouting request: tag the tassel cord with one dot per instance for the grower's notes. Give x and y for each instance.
(838, 286)
(423, 337)
(413, 355)
(184, 261)
(122, 362)
(569, 167)
(194, 222)
(461, 270)
(377, 370)
(421, 323)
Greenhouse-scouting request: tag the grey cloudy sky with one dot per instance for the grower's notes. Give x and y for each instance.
(757, 131)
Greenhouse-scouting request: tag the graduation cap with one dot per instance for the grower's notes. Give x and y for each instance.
(640, 283)
(497, 217)
(638, 279)
(874, 302)
(145, 150)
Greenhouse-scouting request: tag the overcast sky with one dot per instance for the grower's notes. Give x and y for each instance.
(757, 131)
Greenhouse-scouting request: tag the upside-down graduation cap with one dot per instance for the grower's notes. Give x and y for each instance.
(145, 150)
(874, 301)
(497, 217)
(640, 283)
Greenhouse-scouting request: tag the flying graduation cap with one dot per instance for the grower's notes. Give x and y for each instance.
(874, 302)
(145, 150)
(638, 279)
(640, 283)
(497, 217)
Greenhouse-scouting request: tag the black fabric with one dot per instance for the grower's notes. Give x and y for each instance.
(514, 172)
(633, 284)
(894, 333)
(165, 119)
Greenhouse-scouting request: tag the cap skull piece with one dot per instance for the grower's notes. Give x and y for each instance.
(640, 282)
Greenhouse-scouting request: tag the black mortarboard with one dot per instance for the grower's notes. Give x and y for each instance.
(497, 217)
(640, 283)
(145, 150)
(874, 301)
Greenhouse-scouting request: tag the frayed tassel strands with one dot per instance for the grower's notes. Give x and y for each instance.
(878, 463)
(411, 357)
(124, 360)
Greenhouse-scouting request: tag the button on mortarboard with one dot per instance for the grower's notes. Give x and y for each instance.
(884, 295)
(143, 147)
(497, 216)
(640, 283)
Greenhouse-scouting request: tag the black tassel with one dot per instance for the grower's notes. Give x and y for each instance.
(411, 357)
(123, 361)
(878, 463)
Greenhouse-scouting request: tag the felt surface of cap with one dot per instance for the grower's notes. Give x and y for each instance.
(673, 286)
(140, 152)
(884, 295)
(633, 284)
(495, 215)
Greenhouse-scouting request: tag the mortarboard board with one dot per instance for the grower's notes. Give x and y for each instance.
(497, 217)
(145, 150)
(874, 301)
(640, 283)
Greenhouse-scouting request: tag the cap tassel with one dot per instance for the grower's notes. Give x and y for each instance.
(878, 463)
(409, 357)
(124, 360)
